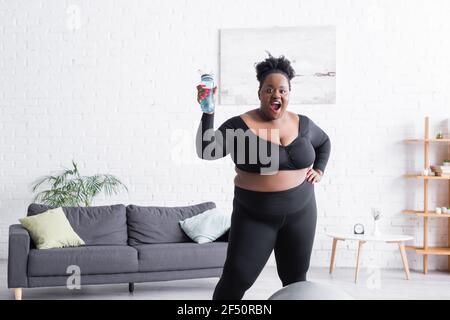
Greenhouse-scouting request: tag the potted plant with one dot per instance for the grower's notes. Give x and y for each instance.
(70, 188)
(446, 162)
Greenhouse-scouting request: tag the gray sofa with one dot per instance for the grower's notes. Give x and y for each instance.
(123, 245)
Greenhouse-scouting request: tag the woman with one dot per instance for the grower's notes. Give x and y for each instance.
(274, 205)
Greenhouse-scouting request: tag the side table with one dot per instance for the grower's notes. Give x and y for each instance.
(399, 239)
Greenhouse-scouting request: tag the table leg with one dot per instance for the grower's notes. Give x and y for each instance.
(425, 263)
(360, 243)
(333, 254)
(404, 259)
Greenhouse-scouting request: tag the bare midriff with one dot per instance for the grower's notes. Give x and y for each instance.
(280, 181)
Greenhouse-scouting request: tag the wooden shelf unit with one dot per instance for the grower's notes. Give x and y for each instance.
(426, 214)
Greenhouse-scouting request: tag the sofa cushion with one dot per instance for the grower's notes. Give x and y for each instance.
(90, 259)
(51, 229)
(101, 225)
(160, 224)
(207, 226)
(181, 256)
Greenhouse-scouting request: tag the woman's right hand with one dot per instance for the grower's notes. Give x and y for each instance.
(203, 92)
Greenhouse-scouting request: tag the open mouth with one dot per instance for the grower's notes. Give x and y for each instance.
(275, 106)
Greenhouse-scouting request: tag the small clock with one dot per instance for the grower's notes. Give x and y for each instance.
(358, 229)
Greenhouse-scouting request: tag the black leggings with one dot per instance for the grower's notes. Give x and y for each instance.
(263, 221)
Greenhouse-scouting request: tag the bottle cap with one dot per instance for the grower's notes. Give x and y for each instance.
(205, 71)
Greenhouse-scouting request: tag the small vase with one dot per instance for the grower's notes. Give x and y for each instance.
(375, 231)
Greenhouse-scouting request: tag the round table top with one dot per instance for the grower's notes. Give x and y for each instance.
(369, 237)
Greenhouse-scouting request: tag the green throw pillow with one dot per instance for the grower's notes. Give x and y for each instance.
(51, 229)
(207, 226)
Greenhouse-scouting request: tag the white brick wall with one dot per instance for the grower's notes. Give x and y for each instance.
(114, 88)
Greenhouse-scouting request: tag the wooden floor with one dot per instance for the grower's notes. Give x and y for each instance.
(372, 284)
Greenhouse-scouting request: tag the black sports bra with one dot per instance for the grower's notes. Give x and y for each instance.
(254, 154)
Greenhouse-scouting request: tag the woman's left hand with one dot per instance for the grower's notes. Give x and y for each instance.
(313, 176)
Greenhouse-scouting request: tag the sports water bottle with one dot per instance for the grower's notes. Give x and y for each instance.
(207, 103)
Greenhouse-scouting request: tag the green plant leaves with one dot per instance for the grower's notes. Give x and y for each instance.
(69, 188)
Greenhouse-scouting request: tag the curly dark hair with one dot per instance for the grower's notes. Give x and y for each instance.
(272, 64)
